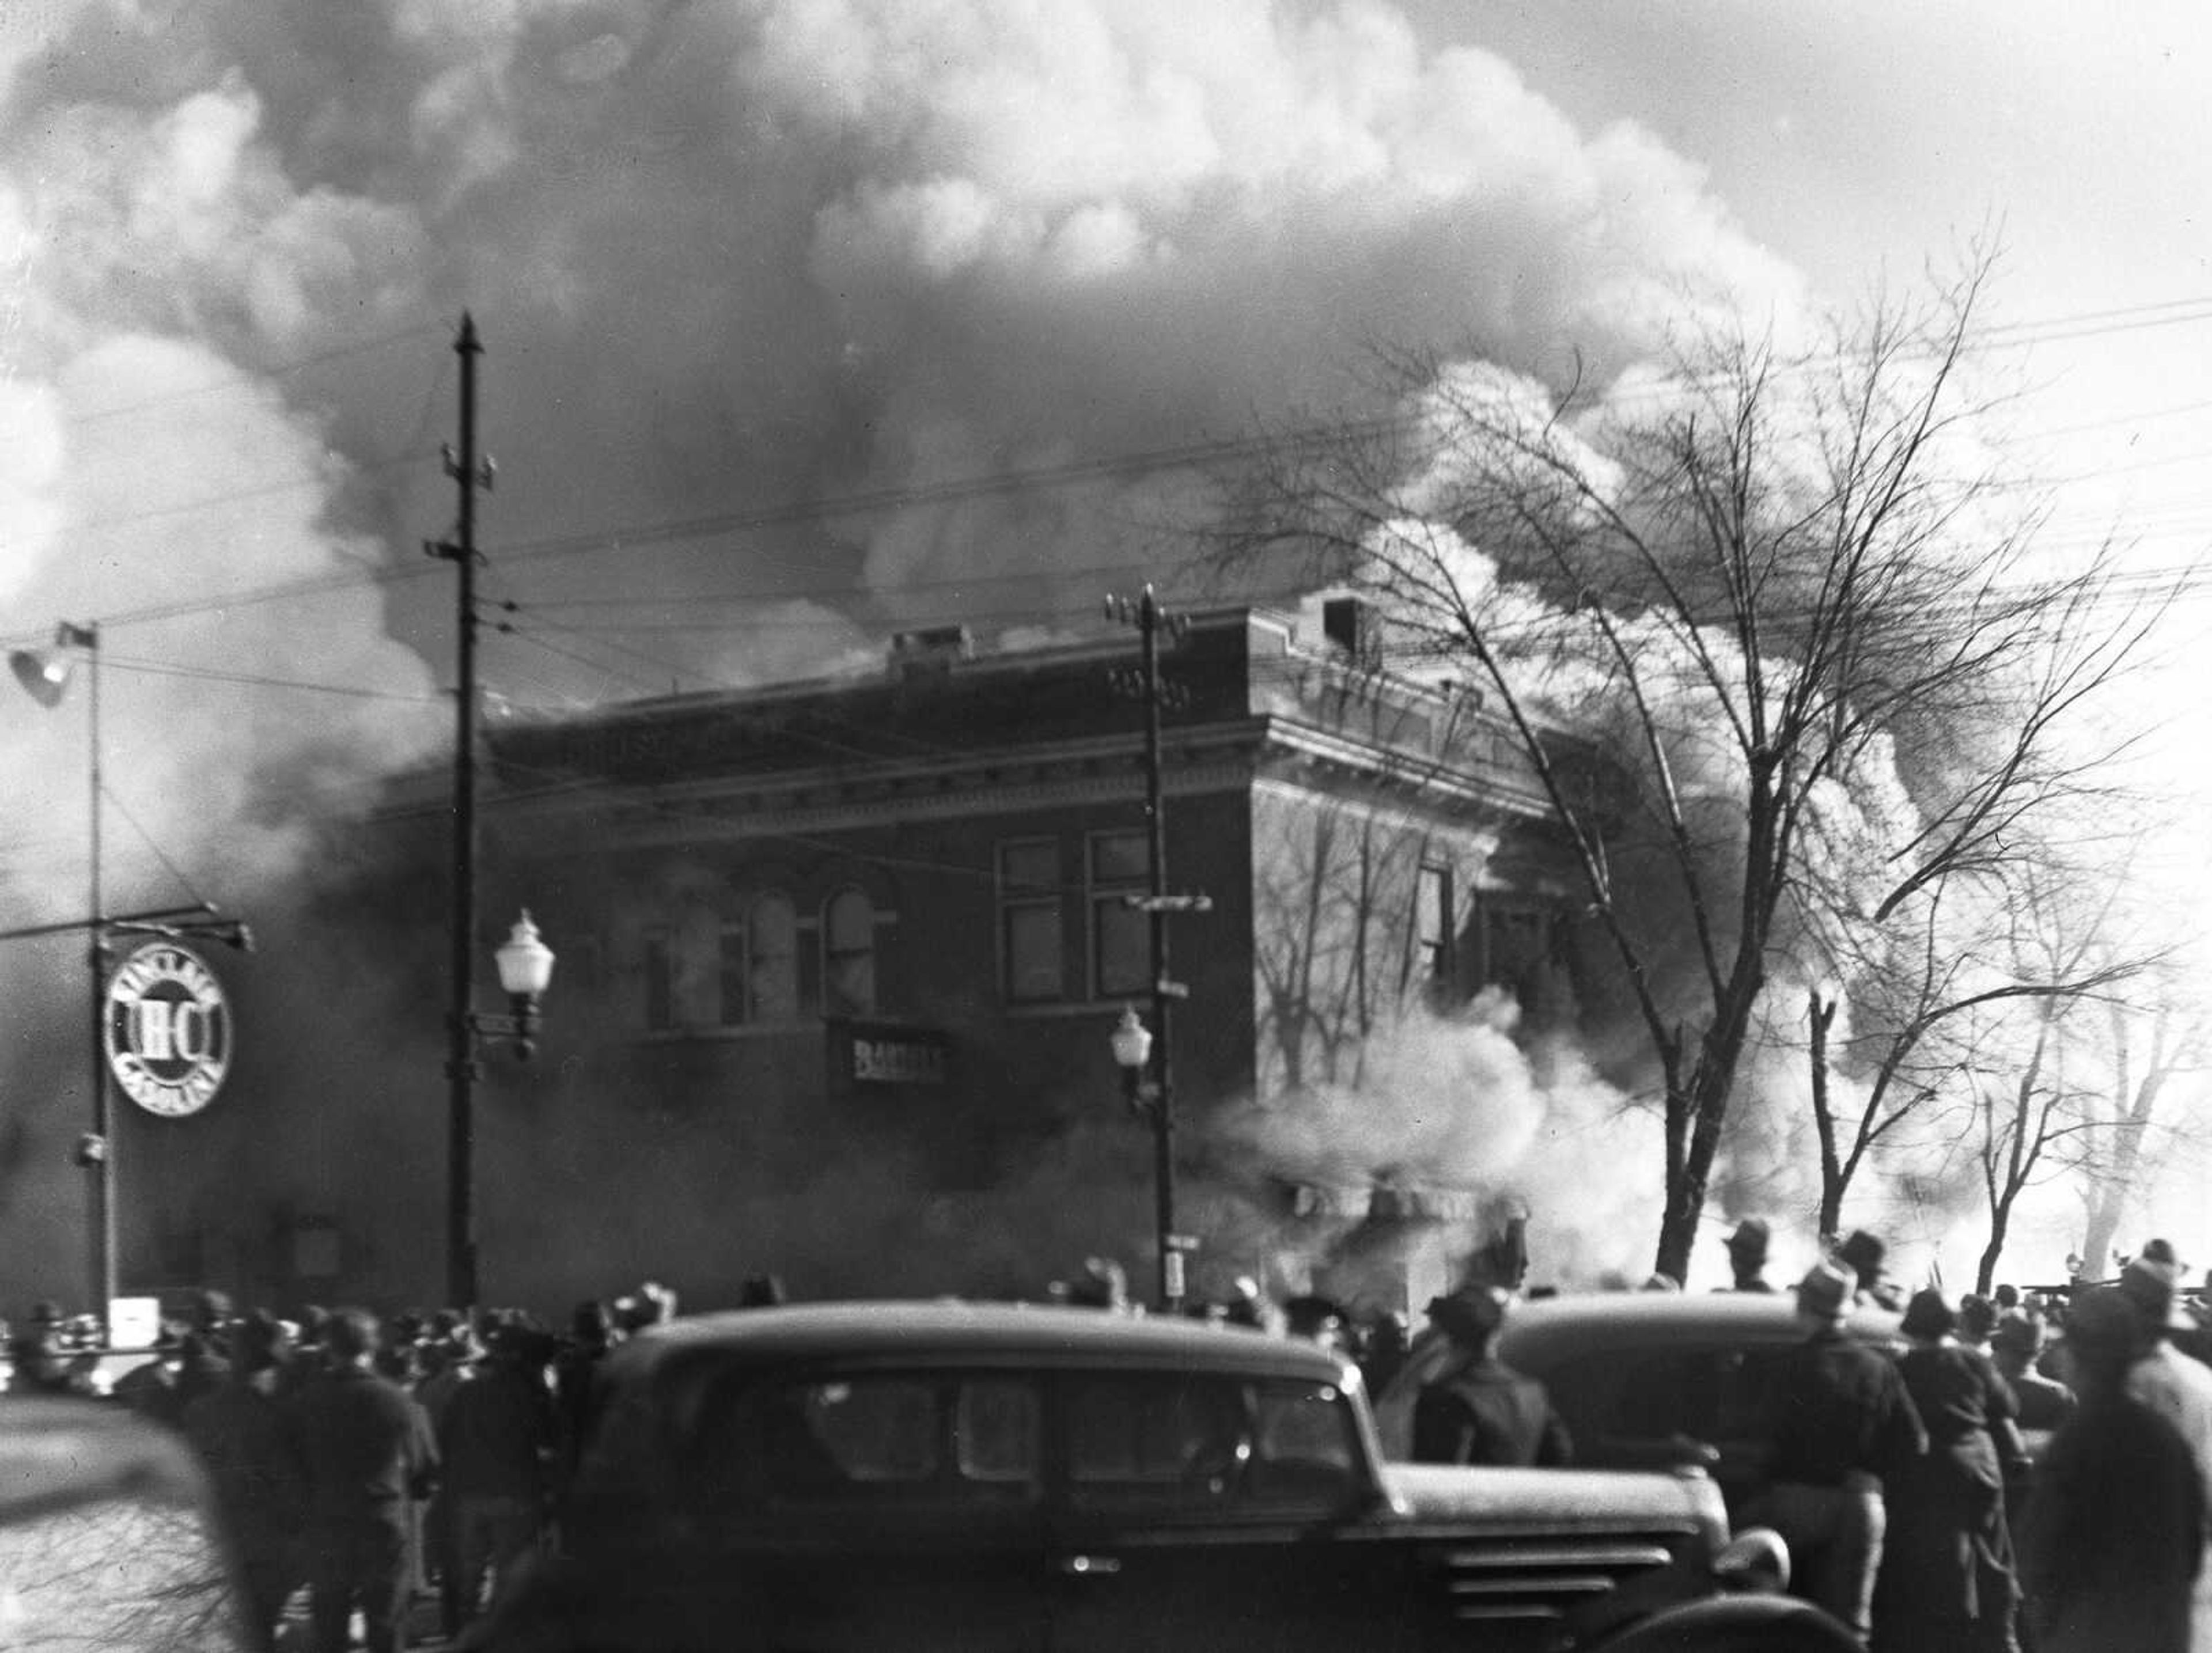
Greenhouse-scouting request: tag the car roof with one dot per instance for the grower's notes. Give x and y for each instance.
(949, 1332)
(1538, 1332)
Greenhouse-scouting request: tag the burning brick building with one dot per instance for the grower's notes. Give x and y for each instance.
(846, 954)
(838, 961)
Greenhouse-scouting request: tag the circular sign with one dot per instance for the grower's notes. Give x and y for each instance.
(166, 1027)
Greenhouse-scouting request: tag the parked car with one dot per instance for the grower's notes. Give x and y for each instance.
(1002, 1478)
(1643, 1380)
(108, 1536)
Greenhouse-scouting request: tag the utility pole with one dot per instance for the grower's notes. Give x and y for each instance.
(98, 1150)
(1154, 1095)
(461, 1069)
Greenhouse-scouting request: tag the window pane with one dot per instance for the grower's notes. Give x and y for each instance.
(1028, 867)
(1123, 937)
(1125, 857)
(1034, 961)
(1302, 1452)
(849, 944)
(874, 1428)
(851, 921)
(730, 978)
(1155, 1443)
(994, 1431)
(773, 966)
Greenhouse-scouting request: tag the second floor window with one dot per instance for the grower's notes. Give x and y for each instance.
(848, 954)
(1120, 935)
(1032, 956)
(1433, 930)
(772, 960)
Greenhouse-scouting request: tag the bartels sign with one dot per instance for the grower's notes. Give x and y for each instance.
(166, 1025)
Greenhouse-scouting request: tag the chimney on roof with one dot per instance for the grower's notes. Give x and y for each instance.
(1352, 623)
(934, 648)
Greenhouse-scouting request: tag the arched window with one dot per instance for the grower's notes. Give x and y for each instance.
(848, 954)
(772, 959)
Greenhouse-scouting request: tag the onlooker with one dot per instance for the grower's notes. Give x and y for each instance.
(2171, 1384)
(1318, 1319)
(1478, 1409)
(495, 1448)
(2115, 1530)
(1947, 1578)
(247, 1437)
(369, 1452)
(1839, 1422)
(2017, 1345)
(1103, 1284)
(1977, 1318)
(155, 1388)
(1867, 1258)
(1746, 1252)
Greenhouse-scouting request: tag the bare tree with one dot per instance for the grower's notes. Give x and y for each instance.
(2148, 1047)
(2038, 1068)
(1921, 983)
(1751, 584)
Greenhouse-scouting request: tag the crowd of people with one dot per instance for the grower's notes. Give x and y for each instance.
(1898, 1473)
(365, 1460)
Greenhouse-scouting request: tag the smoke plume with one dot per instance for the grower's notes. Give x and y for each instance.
(803, 318)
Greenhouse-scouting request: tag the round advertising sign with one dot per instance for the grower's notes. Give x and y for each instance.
(166, 1026)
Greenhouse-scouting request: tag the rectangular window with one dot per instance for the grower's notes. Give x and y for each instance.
(1121, 865)
(1433, 936)
(1031, 946)
(890, 1440)
(659, 966)
(731, 977)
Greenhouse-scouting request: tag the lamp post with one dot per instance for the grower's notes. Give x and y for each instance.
(526, 969)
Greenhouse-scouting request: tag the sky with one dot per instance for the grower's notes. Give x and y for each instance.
(806, 319)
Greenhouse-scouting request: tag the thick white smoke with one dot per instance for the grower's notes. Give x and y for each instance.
(781, 301)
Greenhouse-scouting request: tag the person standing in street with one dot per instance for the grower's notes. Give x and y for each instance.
(1839, 1422)
(1946, 1579)
(369, 1453)
(1478, 1409)
(2172, 1385)
(2017, 1345)
(496, 1440)
(2112, 1540)
(247, 1437)
(1746, 1253)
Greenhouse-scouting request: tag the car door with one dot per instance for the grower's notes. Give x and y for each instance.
(894, 1508)
(1200, 1512)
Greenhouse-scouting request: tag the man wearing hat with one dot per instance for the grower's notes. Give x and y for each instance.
(1838, 1421)
(1746, 1250)
(2015, 1346)
(1478, 1410)
(2173, 1386)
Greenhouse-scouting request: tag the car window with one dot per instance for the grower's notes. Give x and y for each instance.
(1162, 1444)
(1710, 1393)
(884, 1438)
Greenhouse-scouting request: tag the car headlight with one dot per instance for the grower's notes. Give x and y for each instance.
(1756, 1560)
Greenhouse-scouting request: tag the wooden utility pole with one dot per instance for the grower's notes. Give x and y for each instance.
(461, 1069)
(1155, 1095)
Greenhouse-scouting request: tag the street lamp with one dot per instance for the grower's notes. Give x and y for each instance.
(526, 969)
(1147, 1090)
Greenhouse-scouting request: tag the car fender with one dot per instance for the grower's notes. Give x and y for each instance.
(1769, 1624)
